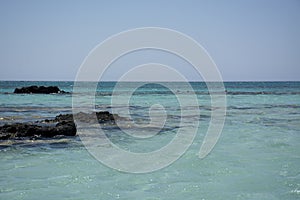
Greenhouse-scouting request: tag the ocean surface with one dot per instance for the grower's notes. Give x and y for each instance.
(256, 157)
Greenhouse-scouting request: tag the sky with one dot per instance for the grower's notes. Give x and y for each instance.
(248, 40)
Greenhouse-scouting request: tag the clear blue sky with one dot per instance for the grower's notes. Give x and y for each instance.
(248, 40)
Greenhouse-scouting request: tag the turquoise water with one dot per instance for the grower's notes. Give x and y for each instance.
(256, 157)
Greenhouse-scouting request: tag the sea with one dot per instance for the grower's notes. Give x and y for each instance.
(257, 155)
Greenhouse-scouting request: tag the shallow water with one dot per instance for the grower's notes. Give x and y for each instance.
(256, 157)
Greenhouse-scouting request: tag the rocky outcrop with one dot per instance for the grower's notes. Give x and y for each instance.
(22, 130)
(38, 90)
(49, 128)
(101, 117)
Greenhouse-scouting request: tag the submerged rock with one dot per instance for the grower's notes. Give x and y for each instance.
(60, 125)
(38, 90)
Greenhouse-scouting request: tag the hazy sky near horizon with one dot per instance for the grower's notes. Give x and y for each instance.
(248, 40)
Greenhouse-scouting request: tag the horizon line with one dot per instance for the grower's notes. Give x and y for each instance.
(24, 80)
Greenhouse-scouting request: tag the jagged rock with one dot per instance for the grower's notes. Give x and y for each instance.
(21, 130)
(60, 125)
(101, 117)
(38, 90)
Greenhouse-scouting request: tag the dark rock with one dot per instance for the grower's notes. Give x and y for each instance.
(66, 128)
(22, 130)
(38, 90)
(101, 117)
(49, 128)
